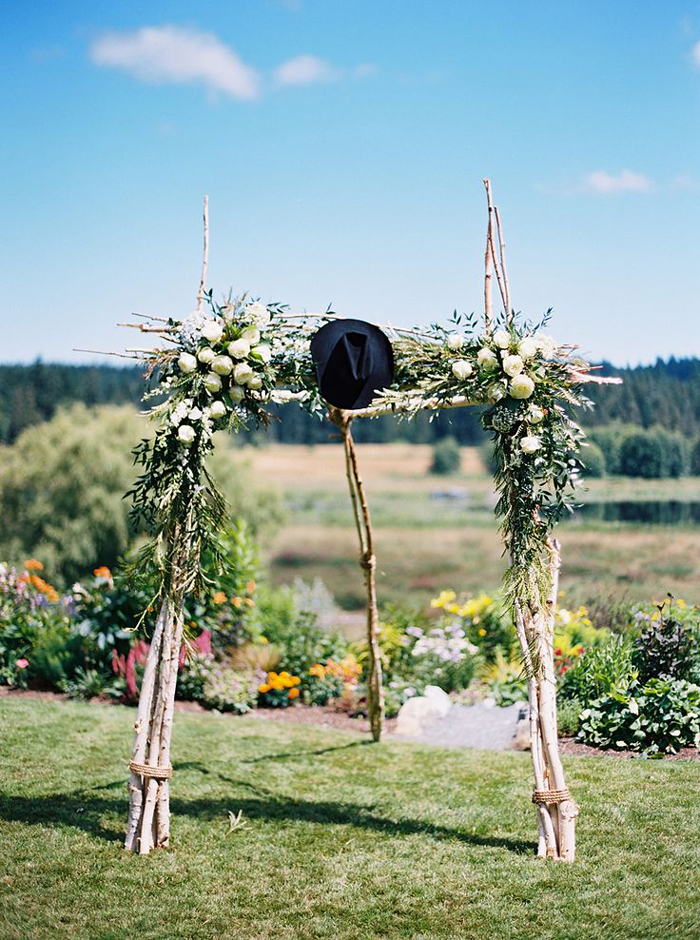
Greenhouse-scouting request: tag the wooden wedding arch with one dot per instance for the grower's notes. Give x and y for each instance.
(437, 368)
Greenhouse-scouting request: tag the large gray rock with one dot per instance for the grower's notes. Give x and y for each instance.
(481, 725)
(416, 714)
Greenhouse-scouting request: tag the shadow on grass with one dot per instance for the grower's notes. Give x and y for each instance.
(95, 814)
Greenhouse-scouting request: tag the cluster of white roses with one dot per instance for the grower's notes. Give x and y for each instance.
(230, 355)
(514, 358)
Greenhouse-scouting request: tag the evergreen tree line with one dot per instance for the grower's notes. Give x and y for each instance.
(665, 394)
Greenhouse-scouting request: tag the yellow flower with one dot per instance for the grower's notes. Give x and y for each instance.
(264, 687)
(236, 601)
(681, 604)
(263, 639)
(444, 597)
(482, 632)
(219, 597)
(294, 693)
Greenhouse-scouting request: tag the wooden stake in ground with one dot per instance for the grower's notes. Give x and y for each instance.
(368, 563)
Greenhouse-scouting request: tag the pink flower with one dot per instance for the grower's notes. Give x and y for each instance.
(22, 663)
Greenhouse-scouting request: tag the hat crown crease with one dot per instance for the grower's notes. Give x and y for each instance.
(358, 352)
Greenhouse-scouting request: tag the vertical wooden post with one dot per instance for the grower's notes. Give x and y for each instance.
(368, 563)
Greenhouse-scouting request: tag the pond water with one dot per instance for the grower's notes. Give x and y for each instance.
(649, 512)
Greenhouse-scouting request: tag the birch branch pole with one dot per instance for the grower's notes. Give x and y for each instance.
(368, 563)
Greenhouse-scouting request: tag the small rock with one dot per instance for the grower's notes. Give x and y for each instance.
(521, 740)
(415, 714)
(439, 698)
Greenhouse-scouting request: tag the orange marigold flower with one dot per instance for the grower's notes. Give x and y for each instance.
(102, 572)
(237, 602)
(263, 687)
(38, 583)
(250, 586)
(219, 597)
(249, 601)
(33, 564)
(294, 693)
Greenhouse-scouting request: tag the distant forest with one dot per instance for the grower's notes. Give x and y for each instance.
(666, 393)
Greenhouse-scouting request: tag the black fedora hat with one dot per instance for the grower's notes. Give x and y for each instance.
(353, 360)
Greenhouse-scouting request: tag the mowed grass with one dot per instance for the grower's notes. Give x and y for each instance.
(426, 543)
(343, 839)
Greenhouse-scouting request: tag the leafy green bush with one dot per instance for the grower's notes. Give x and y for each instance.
(608, 668)
(695, 459)
(666, 648)
(659, 717)
(593, 460)
(675, 452)
(609, 439)
(447, 457)
(641, 455)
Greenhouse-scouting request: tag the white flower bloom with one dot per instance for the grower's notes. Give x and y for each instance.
(502, 338)
(239, 348)
(186, 433)
(213, 330)
(529, 444)
(242, 373)
(461, 369)
(455, 341)
(495, 392)
(527, 347)
(236, 394)
(222, 365)
(195, 414)
(512, 365)
(257, 314)
(212, 382)
(486, 358)
(252, 334)
(521, 386)
(206, 355)
(217, 409)
(255, 383)
(535, 414)
(187, 362)
(263, 351)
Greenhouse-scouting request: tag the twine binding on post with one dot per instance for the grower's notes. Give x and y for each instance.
(551, 796)
(149, 770)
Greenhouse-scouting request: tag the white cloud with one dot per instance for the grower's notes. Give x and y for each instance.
(626, 181)
(305, 70)
(695, 54)
(175, 55)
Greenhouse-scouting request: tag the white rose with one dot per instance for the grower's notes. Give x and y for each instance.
(242, 373)
(206, 354)
(195, 414)
(461, 369)
(212, 382)
(236, 394)
(455, 341)
(187, 362)
(486, 358)
(527, 347)
(186, 433)
(495, 392)
(239, 348)
(512, 365)
(530, 444)
(502, 338)
(212, 330)
(263, 351)
(222, 365)
(252, 334)
(255, 383)
(217, 409)
(535, 414)
(256, 313)
(521, 386)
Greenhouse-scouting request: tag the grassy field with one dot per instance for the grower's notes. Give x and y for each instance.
(343, 839)
(427, 543)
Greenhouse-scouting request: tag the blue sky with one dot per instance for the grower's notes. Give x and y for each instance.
(342, 145)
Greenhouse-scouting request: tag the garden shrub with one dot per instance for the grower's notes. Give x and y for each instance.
(641, 455)
(694, 459)
(666, 648)
(658, 717)
(593, 460)
(600, 670)
(447, 457)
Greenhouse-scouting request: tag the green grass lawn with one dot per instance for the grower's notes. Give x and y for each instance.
(344, 839)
